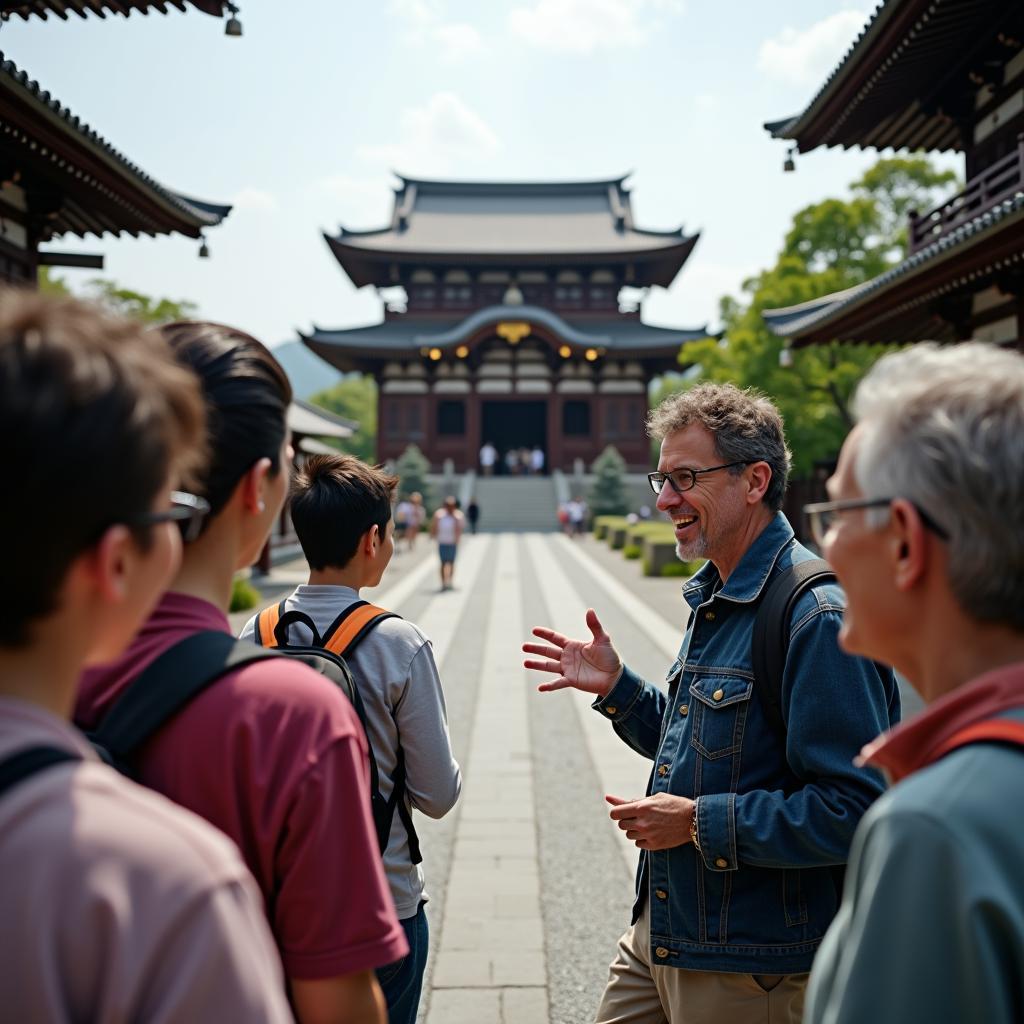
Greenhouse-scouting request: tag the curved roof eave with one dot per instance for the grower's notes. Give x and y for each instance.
(26, 9)
(820, 313)
(505, 186)
(200, 213)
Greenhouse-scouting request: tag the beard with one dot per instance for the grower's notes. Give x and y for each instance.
(694, 548)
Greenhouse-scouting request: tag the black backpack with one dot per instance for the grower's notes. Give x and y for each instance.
(327, 654)
(25, 763)
(770, 642)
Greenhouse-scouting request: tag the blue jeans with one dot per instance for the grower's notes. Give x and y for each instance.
(402, 981)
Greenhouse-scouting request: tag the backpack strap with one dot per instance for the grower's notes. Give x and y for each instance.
(182, 672)
(26, 763)
(352, 625)
(265, 632)
(770, 642)
(348, 630)
(991, 730)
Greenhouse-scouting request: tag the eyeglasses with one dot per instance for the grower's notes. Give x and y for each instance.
(684, 479)
(822, 515)
(188, 509)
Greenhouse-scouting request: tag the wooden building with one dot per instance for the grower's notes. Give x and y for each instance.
(938, 76)
(511, 330)
(58, 177)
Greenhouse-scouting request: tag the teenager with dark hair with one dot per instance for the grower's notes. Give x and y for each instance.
(117, 904)
(268, 753)
(341, 509)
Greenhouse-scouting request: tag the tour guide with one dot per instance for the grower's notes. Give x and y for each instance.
(743, 823)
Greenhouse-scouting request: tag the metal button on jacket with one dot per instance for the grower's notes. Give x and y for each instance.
(684, 709)
(710, 616)
(661, 894)
(718, 695)
(663, 769)
(611, 710)
(661, 952)
(721, 863)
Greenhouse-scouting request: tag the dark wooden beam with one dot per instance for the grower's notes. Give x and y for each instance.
(84, 260)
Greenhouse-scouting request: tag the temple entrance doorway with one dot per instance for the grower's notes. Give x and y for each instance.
(514, 424)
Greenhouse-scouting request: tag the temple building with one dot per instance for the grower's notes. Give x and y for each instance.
(511, 330)
(937, 76)
(58, 177)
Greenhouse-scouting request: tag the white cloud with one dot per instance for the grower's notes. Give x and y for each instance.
(458, 41)
(583, 26)
(435, 137)
(806, 57)
(250, 198)
(357, 203)
(706, 102)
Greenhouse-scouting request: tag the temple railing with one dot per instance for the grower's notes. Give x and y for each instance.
(997, 182)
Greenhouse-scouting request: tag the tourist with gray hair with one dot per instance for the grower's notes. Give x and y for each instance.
(926, 533)
(751, 805)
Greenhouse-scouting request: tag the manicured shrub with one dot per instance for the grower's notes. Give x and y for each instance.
(243, 595)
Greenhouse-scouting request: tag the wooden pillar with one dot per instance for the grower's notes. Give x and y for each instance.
(474, 421)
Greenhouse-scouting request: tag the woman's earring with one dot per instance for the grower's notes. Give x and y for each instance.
(262, 506)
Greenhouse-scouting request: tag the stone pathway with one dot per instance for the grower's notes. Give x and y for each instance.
(530, 882)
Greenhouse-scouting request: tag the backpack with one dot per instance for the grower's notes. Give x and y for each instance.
(770, 642)
(162, 689)
(327, 654)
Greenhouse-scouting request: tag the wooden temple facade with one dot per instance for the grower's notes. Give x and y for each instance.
(58, 177)
(511, 331)
(935, 76)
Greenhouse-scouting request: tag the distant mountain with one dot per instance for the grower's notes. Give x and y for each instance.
(307, 372)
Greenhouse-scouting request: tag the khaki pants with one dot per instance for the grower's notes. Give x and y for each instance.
(638, 993)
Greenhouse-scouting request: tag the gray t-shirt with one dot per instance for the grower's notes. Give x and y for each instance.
(394, 668)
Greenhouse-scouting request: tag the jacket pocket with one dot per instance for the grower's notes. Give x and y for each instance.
(720, 707)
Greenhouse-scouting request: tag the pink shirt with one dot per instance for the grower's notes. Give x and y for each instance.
(118, 906)
(274, 756)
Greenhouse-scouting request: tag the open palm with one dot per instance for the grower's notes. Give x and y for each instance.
(592, 666)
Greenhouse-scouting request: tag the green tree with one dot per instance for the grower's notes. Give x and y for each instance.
(412, 468)
(49, 284)
(120, 300)
(608, 491)
(127, 302)
(355, 398)
(833, 244)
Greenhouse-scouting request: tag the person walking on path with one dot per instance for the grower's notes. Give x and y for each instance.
(116, 904)
(744, 821)
(926, 533)
(446, 529)
(537, 460)
(473, 514)
(268, 753)
(488, 457)
(341, 510)
(414, 516)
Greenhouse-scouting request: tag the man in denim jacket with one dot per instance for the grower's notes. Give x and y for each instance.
(742, 830)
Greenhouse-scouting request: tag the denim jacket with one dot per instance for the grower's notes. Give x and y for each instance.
(775, 818)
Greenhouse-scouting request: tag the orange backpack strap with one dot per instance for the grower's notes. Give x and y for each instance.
(349, 628)
(266, 623)
(993, 730)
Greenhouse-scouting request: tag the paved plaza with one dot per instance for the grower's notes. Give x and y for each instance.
(530, 882)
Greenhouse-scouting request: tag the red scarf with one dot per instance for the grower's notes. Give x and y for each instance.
(924, 739)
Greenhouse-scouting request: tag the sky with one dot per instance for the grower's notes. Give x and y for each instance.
(301, 122)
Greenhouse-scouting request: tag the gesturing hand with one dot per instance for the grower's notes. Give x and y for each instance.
(591, 666)
(656, 822)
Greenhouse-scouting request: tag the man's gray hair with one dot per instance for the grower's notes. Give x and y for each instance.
(943, 427)
(747, 427)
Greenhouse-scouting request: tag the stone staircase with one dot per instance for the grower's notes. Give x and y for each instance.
(516, 504)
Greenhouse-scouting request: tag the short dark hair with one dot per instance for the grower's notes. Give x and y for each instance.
(335, 500)
(746, 426)
(247, 396)
(96, 415)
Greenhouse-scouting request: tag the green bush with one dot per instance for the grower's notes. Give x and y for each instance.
(632, 551)
(682, 568)
(675, 569)
(243, 595)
